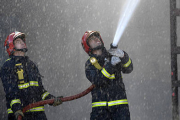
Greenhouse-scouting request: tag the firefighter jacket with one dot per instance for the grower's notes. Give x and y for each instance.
(110, 89)
(22, 84)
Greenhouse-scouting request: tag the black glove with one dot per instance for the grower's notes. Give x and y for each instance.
(17, 113)
(57, 101)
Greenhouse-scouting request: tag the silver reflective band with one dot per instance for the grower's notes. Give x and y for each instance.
(34, 83)
(106, 74)
(128, 63)
(15, 101)
(41, 108)
(26, 85)
(45, 95)
(9, 111)
(110, 103)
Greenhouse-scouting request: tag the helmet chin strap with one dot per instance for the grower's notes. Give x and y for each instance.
(23, 50)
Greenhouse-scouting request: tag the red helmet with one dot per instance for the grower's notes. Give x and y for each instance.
(85, 37)
(9, 45)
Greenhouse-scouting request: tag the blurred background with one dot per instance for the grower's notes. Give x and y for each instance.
(54, 29)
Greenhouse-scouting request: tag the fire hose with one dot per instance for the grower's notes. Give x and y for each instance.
(50, 101)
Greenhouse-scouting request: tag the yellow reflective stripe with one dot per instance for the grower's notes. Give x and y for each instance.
(110, 103)
(97, 104)
(15, 101)
(127, 64)
(45, 95)
(18, 64)
(34, 83)
(35, 109)
(106, 74)
(8, 59)
(22, 86)
(9, 111)
(26, 85)
(117, 102)
(40, 108)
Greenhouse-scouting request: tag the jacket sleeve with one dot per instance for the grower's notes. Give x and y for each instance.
(99, 77)
(127, 65)
(44, 93)
(10, 84)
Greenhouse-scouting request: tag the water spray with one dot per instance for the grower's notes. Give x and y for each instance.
(124, 19)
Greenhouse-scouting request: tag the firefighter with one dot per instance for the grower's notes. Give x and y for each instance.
(22, 81)
(104, 69)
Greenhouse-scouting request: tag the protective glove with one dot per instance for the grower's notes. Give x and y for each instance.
(57, 101)
(115, 60)
(116, 51)
(17, 113)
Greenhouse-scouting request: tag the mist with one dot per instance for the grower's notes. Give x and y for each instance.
(54, 29)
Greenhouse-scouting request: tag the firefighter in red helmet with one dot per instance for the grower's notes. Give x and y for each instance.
(9, 43)
(104, 69)
(22, 81)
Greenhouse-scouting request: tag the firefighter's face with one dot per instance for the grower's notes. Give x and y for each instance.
(19, 44)
(94, 41)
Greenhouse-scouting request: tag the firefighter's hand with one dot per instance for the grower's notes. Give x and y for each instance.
(17, 113)
(116, 51)
(115, 60)
(57, 101)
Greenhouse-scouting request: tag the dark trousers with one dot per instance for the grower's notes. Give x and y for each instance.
(30, 116)
(120, 112)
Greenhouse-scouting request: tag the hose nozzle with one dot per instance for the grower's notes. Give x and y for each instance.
(113, 46)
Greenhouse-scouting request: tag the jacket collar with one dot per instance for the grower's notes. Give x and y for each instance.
(20, 58)
(101, 58)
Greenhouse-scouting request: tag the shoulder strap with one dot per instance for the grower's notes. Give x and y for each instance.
(94, 62)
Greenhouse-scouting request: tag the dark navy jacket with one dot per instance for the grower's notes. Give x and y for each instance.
(108, 89)
(30, 90)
